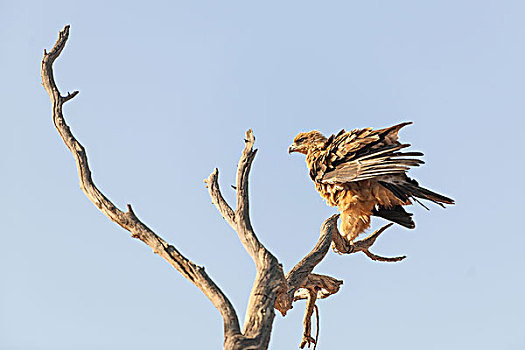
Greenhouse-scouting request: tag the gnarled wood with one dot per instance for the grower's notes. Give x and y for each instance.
(307, 321)
(315, 287)
(271, 289)
(269, 277)
(128, 220)
(270, 284)
(299, 274)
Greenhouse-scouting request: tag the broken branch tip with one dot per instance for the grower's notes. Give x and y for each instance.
(130, 209)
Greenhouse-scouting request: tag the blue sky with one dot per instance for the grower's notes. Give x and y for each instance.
(167, 90)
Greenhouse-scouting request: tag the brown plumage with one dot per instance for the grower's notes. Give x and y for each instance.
(363, 173)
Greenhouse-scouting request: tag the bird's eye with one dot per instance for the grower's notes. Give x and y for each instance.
(300, 140)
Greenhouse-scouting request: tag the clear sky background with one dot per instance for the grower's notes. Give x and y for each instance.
(167, 90)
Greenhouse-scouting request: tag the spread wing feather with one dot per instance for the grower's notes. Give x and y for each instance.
(363, 154)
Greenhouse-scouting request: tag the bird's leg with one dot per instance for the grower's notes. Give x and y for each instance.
(340, 244)
(351, 247)
(353, 221)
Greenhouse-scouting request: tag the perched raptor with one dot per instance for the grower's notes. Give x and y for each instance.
(363, 173)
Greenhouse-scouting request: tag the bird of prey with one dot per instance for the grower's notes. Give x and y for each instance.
(363, 173)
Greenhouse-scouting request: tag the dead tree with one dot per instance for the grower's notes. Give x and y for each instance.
(271, 289)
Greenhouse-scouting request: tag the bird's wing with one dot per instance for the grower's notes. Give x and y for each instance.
(364, 154)
(385, 161)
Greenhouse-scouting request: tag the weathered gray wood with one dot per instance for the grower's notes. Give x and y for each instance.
(269, 278)
(128, 220)
(298, 275)
(307, 320)
(316, 287)
(271, 289)
(270, 286)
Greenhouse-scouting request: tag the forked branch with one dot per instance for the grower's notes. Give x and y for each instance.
(300, 273)
(269, 278)
(270, 289)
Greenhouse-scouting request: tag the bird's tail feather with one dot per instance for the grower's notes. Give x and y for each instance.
(396, 214)
(423, 193)
(411, 188)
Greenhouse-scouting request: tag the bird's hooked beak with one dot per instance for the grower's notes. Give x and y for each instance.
(292, 149)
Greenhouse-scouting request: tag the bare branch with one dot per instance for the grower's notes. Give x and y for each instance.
(212, 183)
(240, 219)
(248, 238)
(69, 96)
(316, 287)
(303, 284)
(307, 321)
(341, 245)
(243, 170)
(299, 274)
(270, 285)
(325, 286)
(383, 258)
(128, 220)
(269, 278)
(271, 289)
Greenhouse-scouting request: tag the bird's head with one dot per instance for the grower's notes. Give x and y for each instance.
(307, 140)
